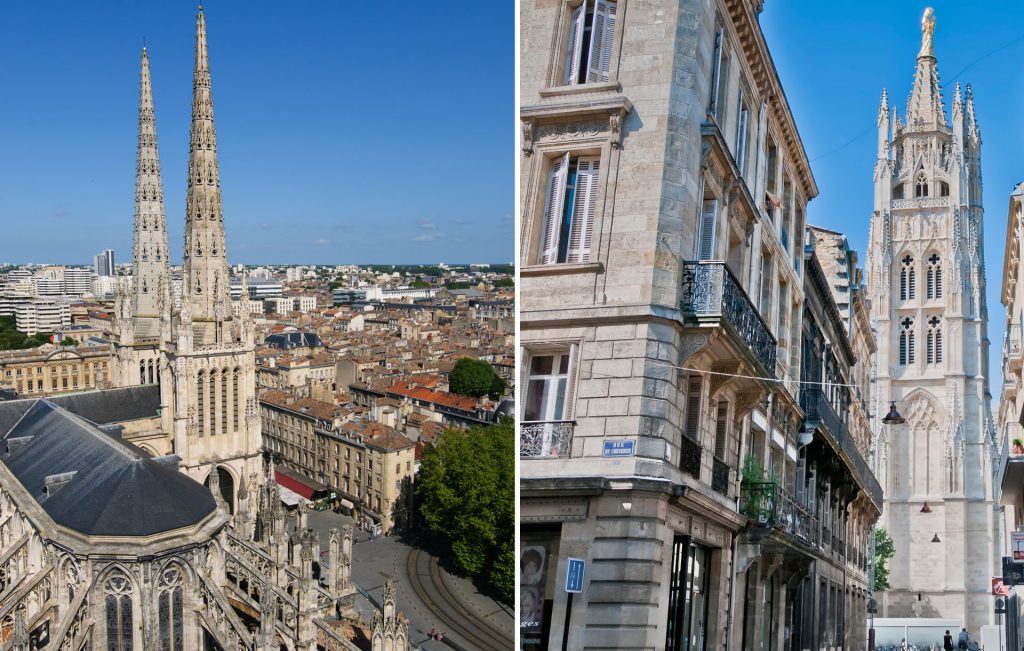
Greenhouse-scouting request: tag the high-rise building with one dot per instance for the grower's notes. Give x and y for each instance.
(103, 263)
(926, 279)
(78, 281)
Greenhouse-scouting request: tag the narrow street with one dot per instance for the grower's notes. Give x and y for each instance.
(429, 595)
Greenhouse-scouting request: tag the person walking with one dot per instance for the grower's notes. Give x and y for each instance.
(947, 642)
(964, 638)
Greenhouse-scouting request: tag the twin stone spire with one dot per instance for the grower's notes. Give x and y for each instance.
(205, 282)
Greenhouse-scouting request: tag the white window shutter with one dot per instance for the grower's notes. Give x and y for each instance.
(553, 209)
(603, 31)
(575, 50)
(716, 72)
(708, 223)
(587, 173)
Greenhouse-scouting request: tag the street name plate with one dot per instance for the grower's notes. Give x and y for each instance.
(574, 575)
(620, 448)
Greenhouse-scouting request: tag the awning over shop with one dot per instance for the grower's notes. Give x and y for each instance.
(345, 503)
(290, 497)
(304, 486)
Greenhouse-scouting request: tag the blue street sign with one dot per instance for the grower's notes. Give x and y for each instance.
(620, 448)
(574, 575)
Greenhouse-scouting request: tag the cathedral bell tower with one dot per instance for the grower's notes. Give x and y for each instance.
(927, 287)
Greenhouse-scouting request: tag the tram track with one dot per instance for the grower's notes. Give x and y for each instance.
(430, 587)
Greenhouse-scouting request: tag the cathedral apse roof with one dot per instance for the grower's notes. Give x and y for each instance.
(94, 483)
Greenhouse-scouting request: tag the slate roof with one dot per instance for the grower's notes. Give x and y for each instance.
(115, 490)
(100, 407)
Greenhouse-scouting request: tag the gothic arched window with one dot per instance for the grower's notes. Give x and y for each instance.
(934, 340)
(234, 397)
(906, 341)
(921, 187)
(117, 602)
(201, 402)
(908, 279)
(224, 402)
(171, 609)
(934, 276)
(212, 394)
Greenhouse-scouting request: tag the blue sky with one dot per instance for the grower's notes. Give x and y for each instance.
(348, 132)
(834, 61)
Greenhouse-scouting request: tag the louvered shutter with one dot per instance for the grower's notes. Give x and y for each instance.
(801, 481)
(721, 430)
(741, 133)
(708, 223)
(553, 209)
(575, 51)
(938, 281)
(716, 72)
(693, 389)
(585, 204)
(600, 59)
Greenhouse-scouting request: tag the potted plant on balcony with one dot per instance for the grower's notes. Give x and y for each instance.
(1018, 447)
(758, 493)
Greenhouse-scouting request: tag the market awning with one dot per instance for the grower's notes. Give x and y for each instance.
(290, 497)
(348, 505)
(304, 486)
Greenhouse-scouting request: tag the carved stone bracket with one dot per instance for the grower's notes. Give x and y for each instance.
(690, 344)
(615, 130)
(527, 134)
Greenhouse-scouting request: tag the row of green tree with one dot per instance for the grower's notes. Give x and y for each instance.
(12, 339)
(465, 493)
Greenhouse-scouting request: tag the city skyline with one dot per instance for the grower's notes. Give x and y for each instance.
(306, 154)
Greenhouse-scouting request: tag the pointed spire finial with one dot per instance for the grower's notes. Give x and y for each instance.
(883, 107)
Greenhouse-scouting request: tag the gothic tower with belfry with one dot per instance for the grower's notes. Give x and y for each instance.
(926, 282)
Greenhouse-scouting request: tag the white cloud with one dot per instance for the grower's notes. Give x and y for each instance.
(323, 241)
(429, 237)
(426, 224)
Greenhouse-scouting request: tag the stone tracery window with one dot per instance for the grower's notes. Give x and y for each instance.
(934, 342)
(908, 279)
(171, 609)
(934, 276)
(921, 187)
(118, 606)
(906, 341)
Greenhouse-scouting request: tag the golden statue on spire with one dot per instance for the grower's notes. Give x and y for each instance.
(927, 29)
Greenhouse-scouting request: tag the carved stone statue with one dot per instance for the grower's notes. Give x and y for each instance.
(927, 29)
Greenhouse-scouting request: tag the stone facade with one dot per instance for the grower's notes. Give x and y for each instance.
(926, 281)
(50, 370)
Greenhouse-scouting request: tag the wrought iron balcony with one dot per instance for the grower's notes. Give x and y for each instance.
(720, 477)
(768, 506)
(690, 453)
(545, 439)
(711, 293)
(819, 410)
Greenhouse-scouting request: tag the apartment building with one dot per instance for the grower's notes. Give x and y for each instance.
(41, 315)
(664, 188)
(49, 370)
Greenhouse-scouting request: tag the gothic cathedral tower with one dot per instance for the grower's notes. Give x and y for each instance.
(211, 376)
(141, 322)
(927, 287)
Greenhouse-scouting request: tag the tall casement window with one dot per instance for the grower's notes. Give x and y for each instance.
(921, 186)
(546, 387)
(170, 610)
(569, 209)
(906, 341)
(934, 276)
(691, 414)
(687, 596)
(908, 279)
(741, 132)
(117, 601)
(721, 430)
(589, 55)
(719, 77)
(934, 340)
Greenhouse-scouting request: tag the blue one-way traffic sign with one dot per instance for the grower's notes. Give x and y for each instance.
(574, 575)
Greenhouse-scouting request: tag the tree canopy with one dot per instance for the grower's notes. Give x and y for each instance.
(475, 378)
(12, 339)
(466, 495)
(884, 550)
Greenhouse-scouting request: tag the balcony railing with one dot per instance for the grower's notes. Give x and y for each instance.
(545, 439)
(711, 291)
(767, 505)
(818, 409)
(689, 456)
(1012, 348)
(720, 477)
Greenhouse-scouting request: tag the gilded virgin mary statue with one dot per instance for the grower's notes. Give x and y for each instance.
(927, 29)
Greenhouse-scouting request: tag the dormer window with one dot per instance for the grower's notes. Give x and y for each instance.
(921, 188)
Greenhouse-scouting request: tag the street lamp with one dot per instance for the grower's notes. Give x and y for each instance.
(892, 418)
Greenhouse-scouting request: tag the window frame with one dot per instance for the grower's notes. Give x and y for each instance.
(559, 54)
